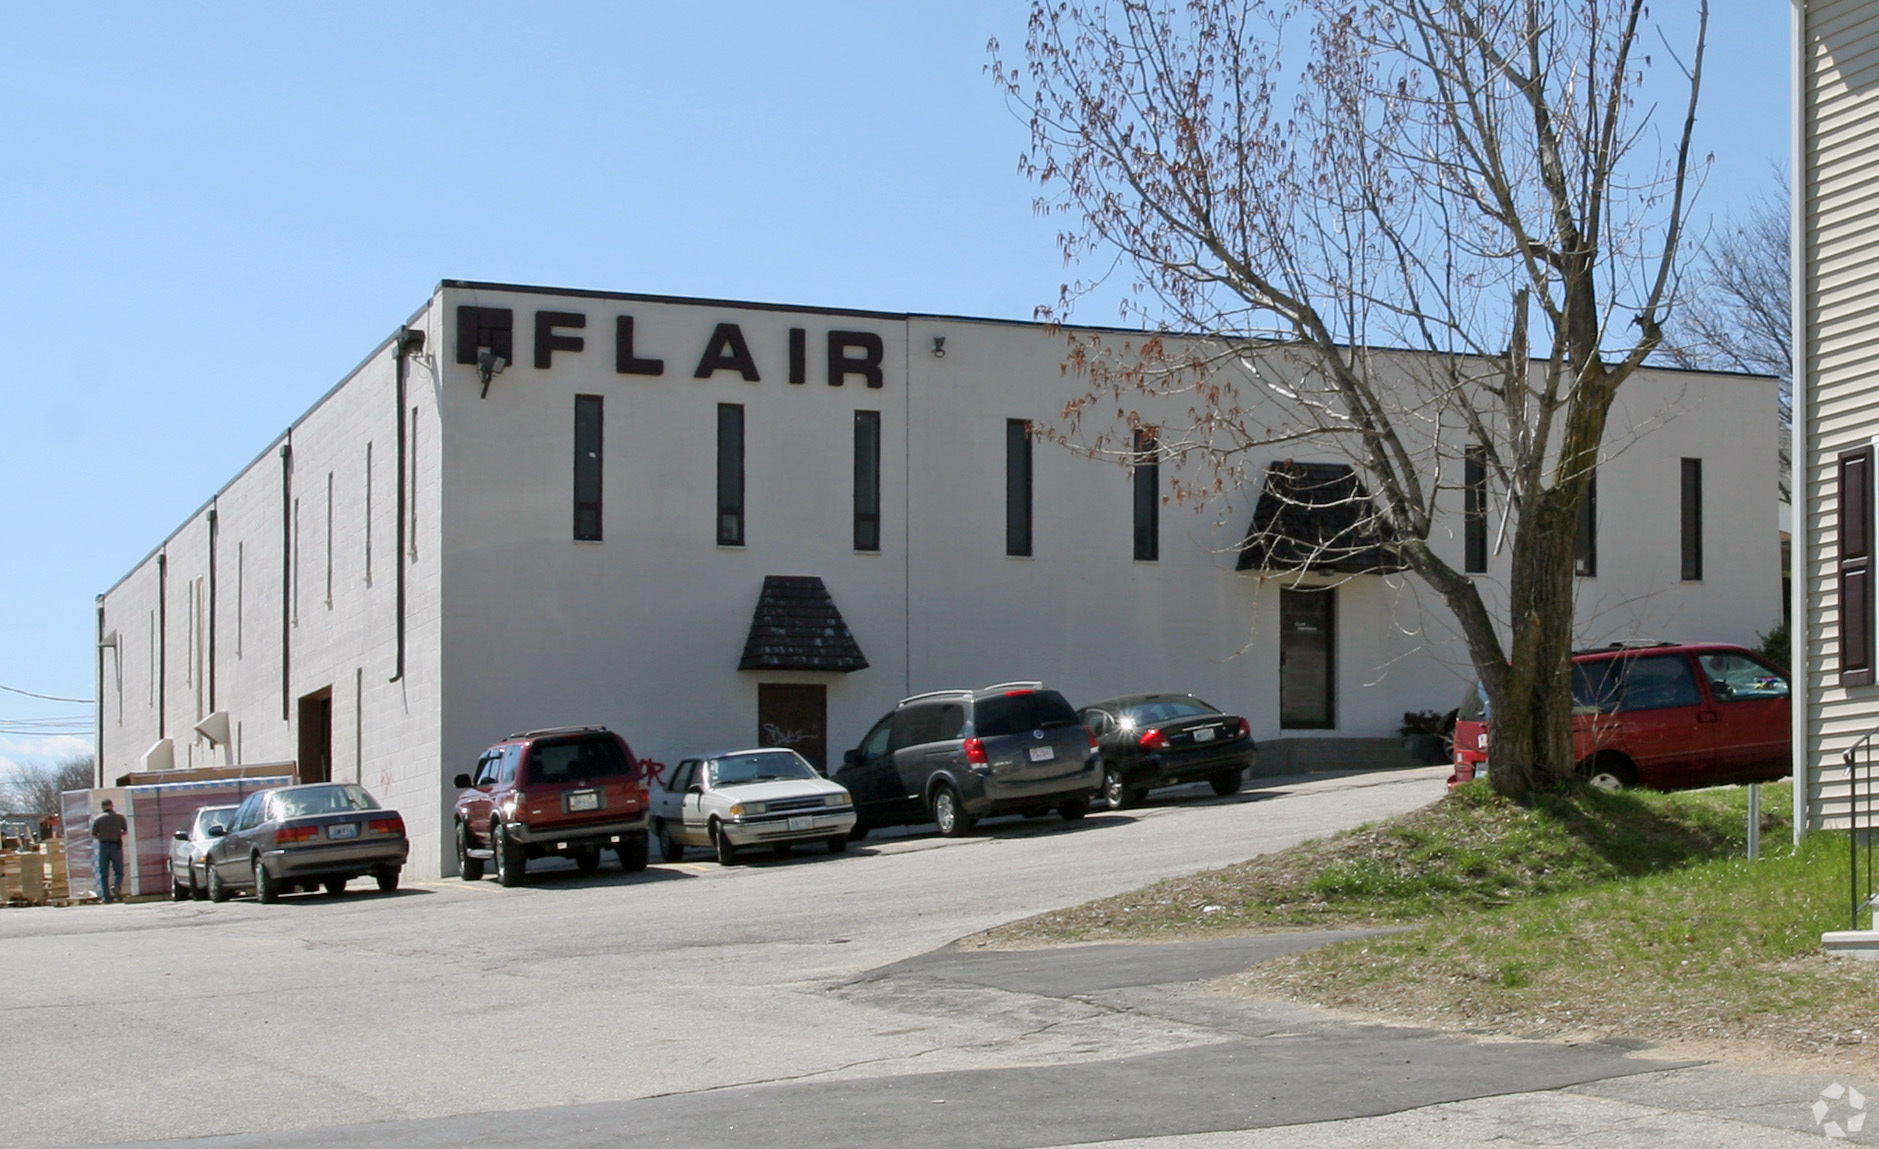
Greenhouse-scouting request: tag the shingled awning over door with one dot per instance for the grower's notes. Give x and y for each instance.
(796, 627)
(1316, 517)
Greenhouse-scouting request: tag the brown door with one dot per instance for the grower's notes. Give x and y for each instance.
(795, 715)
(316, 737)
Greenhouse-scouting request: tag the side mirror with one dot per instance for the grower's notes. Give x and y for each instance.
(850, 757)
(461, 781)
(181, 835)
(695, 788)
(218, 831)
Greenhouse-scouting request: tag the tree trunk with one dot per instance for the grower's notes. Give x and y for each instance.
(1531, 722)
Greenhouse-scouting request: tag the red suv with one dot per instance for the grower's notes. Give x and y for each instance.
(1671, 716)
(572, 791)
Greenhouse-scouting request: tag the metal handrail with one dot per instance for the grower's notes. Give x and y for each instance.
(1858, 754)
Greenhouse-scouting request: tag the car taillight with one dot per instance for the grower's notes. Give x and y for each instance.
(386, 824)
(1152, 740)
(1091, 735)
(1246, 729)
(288, 835)
(975, 752)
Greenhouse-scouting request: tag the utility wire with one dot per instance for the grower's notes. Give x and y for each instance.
(45, 697)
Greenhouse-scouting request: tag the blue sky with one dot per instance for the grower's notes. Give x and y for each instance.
(210, 212)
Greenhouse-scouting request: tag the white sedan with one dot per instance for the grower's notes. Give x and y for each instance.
(746, 798)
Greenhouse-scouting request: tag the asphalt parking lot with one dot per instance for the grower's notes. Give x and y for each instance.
(808, 1000)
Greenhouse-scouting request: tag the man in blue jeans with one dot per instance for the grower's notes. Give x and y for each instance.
(107, 836)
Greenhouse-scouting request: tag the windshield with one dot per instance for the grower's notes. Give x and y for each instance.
(213, 816)
(324, 800)
(769, 766)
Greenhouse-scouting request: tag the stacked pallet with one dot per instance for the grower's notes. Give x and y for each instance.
(37, 876)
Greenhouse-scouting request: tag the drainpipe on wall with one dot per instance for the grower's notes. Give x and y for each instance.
(214, 529)
(405, 344)
(163, 644)
(287, 572)
(97, 742)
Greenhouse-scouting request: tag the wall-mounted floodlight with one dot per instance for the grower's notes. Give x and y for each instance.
(939, 347)
(488, 365)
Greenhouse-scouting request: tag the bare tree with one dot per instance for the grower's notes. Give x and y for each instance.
(1735, 315)
(35, 788)
(1469, 180)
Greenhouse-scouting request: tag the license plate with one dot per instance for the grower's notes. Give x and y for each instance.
(584, 800)
(343, 830)
(805, 822)
(1204, 734)
(1042, 753)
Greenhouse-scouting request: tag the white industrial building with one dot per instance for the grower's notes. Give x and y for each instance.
(710, 524)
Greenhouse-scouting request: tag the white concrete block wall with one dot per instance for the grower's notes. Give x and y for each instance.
(511, 623)
(383, 733)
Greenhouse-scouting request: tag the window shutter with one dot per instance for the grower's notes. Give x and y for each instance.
(1855, 532)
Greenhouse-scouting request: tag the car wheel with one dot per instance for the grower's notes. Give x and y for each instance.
(1610, 773)
(511, 859)
(838, 843)
(266, 888)
(858, 833)
(632, 852)
(218, 892)
(949, 812)
(670, 848)
(178, 891)
(335, 886)
(468, 868)
(1116, 792)
(1227, 782)
(1075, 808)
(587, 859)
(387, 878)
(721, 841)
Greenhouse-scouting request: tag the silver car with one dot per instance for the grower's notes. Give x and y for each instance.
(749, 798)
(188, 879)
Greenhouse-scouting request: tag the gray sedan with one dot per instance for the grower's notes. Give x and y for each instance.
(749, 798)
(188, 878)
(300, 837)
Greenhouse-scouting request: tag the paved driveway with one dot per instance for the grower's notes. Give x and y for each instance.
(804, 1001)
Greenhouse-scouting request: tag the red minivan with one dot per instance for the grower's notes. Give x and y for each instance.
(1670, 716)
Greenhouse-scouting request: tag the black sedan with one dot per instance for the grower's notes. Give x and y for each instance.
(300, 837)
(1150, 740)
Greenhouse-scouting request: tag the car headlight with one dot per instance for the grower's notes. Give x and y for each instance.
(746, 808)
(841, 799)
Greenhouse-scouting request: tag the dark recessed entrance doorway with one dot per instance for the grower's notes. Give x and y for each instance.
(1307, 659)
(795, 715)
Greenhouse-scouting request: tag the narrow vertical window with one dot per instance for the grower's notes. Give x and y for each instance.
(589, 426)
(368, 513)
(1475, 511)
(730, 474)
(1692, 519)
(1147, 497)
(1018, 487)
(867, 480)
(293, 568)
(241, 590)
(1585, 548)
(329, 540)
(1855, 538)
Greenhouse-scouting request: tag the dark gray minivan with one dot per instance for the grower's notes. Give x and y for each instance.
(952, 757)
